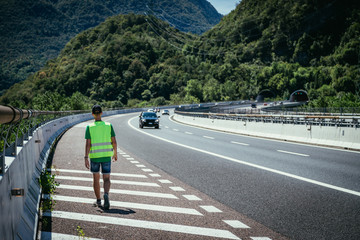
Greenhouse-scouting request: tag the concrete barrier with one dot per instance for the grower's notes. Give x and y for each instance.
(19, 214)
(343, 137)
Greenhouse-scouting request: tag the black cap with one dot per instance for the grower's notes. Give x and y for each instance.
(96, 109)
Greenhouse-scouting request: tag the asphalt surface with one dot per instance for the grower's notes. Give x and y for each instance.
(276, 189)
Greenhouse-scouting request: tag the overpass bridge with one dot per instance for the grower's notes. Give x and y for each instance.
(182, 182)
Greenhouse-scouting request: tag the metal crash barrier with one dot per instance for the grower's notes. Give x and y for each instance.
(336, 121)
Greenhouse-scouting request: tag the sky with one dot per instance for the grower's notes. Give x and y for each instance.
(224, 6)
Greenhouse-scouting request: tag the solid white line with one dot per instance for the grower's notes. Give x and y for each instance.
(244, 144)
(60, 236)
(130, 205)
(209, 232)
(147, 184)
(236, 224)
(112, 174)
(211, 209)
(254, 165)
(120, 191)
(208, 137)
(293, 153)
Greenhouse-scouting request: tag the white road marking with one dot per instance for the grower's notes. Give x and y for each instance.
(140, 165)
(239, 143)
(177, 189)
(189, 133)
(155, 175)
(126, 156)
(60, 236)
(134, 161)
(208, 137)
(120, 191)
(255, 165)
(129, 159)
(147, 184)
(236, 224)
(176, 130)
(209, 232)
(260, 238)
(112, 174)
(265, 139)
(192, 197)
(293, 153)
(150, 207)
(165, 181)
(147, 170)
(211, 209)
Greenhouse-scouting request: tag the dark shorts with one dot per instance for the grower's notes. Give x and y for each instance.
(105, 167)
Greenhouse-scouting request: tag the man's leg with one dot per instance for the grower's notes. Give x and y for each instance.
(96, 185)
(106, 170)
(107, 183)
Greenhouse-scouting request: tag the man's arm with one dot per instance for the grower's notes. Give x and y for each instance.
(114, 145)
(87, 151)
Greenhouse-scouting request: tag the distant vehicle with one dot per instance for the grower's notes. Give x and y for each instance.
(149, 119)
(253, 105)
(165, 112)
(265, 104)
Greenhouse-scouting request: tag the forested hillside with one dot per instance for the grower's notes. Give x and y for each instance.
(264, 44)
(34, 31)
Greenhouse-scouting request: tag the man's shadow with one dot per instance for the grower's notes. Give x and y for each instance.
(118, 211)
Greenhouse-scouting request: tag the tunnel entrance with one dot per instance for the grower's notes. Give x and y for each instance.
(299, 96)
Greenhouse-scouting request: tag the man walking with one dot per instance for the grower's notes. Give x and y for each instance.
(100, 146)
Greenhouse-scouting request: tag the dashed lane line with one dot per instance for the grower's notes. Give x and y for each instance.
(282, 173)
(211, 209)
(294, 153)
(145, 184)
(192, 197)
(170, 227)
(208, 137)
(149, 207)
(120, 191)
(239, 143)
(236, 224)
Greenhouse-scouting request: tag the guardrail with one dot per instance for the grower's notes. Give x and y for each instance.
(17, 125)
(318, 120)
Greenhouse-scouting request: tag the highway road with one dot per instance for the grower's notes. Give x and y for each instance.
(297, 190)
(183, 182)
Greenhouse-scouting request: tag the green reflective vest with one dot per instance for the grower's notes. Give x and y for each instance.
(101, 146)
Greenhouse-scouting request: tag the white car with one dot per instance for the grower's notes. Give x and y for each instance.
(165, 112)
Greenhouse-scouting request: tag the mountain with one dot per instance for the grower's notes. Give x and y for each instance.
(32, 32)
(138, 60)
